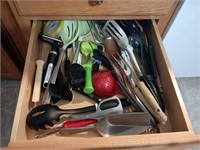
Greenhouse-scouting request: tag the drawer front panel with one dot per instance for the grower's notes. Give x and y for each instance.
(80, 8)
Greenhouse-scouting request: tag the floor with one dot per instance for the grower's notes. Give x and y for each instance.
(189, 87)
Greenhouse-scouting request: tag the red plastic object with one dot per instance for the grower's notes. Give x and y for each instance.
(79, 123)
(104, 84)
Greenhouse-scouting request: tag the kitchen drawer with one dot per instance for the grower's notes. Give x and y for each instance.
(178, 128)
(121, 9)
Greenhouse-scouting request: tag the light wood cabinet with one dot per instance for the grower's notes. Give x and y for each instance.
(8, 67)
(15, 36)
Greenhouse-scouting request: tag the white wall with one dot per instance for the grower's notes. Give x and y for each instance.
(182, 41)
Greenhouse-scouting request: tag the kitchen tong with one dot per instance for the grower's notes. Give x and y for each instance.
(142, 92)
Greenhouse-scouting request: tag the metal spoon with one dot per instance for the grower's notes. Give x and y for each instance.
(111, 47)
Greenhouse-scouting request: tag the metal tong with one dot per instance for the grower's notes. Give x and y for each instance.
(77, 121)
(100, 111)
(142, 92)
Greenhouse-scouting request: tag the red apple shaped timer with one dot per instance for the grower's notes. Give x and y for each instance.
(104, 84)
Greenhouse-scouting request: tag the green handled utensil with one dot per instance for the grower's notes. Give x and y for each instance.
(87, 50)
(88, 88)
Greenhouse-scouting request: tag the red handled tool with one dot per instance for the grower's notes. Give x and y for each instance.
(66, 124)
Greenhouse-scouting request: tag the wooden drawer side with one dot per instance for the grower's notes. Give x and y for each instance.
(22, 109)
(177, 112)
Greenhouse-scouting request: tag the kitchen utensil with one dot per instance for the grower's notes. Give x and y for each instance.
(52, 56)
(111, 28)
(43, 115)
(138, 40)
(75, 75)
(104, 58)
(65, 124)
(60, 90)
(38, 77)
(87, 50)
(113, 51)
(111, 47)
(68, 36)
(123, 81)
(84, 30)
(124, 124)
(116, 124)
(53, 28)
(50, 34)
(146, 97)
(102, 111)
(38, 81)
(96, 31)
(127, 75)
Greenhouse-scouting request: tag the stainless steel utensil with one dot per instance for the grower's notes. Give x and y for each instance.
(116, 124)
(111, 28)
(124, 124)
(65, 124)
(43, 116)
(145, 95)
(100, 111)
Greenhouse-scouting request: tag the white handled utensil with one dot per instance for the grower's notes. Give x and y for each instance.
(38, 81)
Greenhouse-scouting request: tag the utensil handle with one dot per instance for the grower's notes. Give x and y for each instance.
(79, 123)
(88, 88)
(57, 67)
(47, 97)
(144, 101)
(51, 61)
(134, 60)
(160, 116)
(77, 54)
(38, 81)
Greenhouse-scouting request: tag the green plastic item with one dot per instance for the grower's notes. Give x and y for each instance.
(84, 30)
(88, 88)
(87, 48)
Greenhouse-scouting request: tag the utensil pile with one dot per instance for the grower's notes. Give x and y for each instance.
(115, 69)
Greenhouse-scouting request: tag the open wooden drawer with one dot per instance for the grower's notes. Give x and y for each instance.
(178, 128)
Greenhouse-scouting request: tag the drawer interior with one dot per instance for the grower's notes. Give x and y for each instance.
(178, 120)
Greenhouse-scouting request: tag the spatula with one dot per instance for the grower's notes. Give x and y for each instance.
(111, 28)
